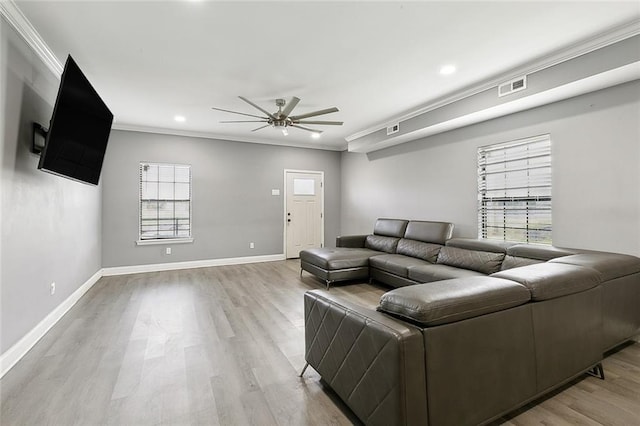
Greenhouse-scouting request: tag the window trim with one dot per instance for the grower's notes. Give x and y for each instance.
(150, 242)
(170, 240)
(481, 202)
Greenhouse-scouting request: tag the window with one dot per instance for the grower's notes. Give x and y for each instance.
(165, 201)
(514, 190)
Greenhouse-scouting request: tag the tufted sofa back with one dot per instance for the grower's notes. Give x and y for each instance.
(476, 255)
(424, 239)
(386, 234)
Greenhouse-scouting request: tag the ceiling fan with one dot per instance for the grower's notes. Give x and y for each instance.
(282, 119)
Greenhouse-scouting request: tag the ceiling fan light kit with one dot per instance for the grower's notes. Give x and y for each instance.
(282, 119)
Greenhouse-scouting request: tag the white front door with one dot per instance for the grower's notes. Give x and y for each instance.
(304, 221)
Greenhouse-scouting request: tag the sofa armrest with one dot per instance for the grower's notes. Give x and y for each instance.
(375, 363)
(352, 241)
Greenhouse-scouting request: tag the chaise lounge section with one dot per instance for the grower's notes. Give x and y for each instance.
(396, 243)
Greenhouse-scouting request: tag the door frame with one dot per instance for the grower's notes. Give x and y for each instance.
(284, 203)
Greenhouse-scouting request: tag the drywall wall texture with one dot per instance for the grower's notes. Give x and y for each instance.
(231, 196)
(51, 230)
(596, 172)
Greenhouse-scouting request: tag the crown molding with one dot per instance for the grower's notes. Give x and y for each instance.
(10, 11)
(614, 35)
(206, 135)
(623, 74)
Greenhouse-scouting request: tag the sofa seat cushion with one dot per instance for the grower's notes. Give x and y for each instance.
(443, 302)
(610, 265)
(428, 273)
(332, 259)
(481, 261)
(550, 280)
(395, 263)
(419, 249)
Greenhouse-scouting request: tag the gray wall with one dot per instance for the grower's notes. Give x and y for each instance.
(232, 201)
(596, 172)
(51, 226)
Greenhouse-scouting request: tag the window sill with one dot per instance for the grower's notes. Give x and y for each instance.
(164, 241)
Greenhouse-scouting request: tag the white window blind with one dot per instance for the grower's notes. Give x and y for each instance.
(165, 201)
(514, 190)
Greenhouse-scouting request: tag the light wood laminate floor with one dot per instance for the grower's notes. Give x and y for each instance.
(224, 345)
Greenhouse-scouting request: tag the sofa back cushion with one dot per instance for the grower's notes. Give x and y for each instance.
(529, 254)
(418, 249)
(429, 232)
(480, 244)
(610, 265)
(549, 280)
(390, 227)
(443, 302)
(381, 243)
(475, 260)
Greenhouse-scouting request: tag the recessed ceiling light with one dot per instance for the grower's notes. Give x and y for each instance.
(447, 69)
(315, 135)
(180, 118)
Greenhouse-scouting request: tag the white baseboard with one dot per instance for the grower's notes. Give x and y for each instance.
(10, 357)
(157, 267)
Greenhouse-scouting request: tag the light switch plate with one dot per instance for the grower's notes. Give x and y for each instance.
(275, 192)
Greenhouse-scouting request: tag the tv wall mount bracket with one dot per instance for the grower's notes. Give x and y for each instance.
(39, 138)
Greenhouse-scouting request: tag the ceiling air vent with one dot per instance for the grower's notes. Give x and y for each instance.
(393, 129)
(515, 85)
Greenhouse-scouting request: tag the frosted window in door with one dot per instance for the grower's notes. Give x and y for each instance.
(304, 187)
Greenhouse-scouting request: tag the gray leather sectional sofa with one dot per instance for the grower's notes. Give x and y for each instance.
(474, 329)
(401, 244)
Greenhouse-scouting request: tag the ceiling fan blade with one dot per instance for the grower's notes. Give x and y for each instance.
(244, 121)
(314, 113)
(236, 112)
(331, 123)
(261, 127)
(258, 107)
(290, 106)
(305, 128)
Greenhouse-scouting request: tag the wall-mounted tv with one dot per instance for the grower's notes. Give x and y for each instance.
(77, 138)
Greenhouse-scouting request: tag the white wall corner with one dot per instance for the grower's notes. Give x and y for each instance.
(15, 353)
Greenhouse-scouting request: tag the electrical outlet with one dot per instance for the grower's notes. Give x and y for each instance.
(53, 288)
(167, 250)
(251, 245)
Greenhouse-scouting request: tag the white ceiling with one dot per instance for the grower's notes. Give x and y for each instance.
(151, 61)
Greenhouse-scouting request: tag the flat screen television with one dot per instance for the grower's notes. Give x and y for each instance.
(79, 129)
